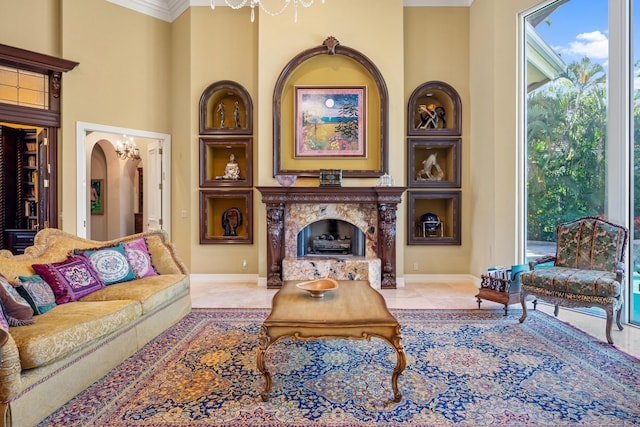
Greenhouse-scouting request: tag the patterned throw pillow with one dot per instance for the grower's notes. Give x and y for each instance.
(139, 258)
(37, 293)
(110, 262)
(17, 309)
(70, 279)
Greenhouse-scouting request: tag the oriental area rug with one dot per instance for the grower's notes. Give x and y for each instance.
(464, 367)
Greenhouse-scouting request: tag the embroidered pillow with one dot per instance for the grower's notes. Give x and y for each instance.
(18, 311)
(138, 255)
(110, 262)
(70, 279)
(37, 293)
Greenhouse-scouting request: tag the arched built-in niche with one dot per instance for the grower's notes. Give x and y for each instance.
(331, 64)
(226, 108)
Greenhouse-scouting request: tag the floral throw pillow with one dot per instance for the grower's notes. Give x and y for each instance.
(111, 263)
(70, 279)
(139, 258)
(37, 293)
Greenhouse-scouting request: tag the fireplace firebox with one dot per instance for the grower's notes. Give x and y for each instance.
(330, 237)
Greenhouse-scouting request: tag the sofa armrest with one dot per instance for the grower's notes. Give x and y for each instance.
(541, 260)
(10, 370)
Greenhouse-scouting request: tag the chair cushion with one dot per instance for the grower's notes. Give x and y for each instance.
(573, 281)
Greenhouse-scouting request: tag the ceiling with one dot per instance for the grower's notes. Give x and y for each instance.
(169, 10)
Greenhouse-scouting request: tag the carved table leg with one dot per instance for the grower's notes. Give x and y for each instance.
(400, 365)
(264, 342)
(523, 296)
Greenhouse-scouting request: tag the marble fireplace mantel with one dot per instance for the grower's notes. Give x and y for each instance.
(386, 200)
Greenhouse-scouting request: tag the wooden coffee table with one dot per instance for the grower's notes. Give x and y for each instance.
(353, 311)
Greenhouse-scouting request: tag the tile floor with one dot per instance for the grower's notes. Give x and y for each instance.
(456, 294)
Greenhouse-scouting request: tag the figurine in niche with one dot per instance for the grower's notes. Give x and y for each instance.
(428, 165)
(236, 114)
(232, 170)
(431, 117)
(231, 220)
(220, 111)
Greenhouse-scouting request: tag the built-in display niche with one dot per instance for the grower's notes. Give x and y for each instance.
(330, 238)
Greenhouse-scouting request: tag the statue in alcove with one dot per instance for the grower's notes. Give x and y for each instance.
(236, 114)
(431, 117)
(231, 170)
(231, 220)
(428, 166)
(220, 111)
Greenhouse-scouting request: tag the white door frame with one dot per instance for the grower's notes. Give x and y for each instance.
(83, 164)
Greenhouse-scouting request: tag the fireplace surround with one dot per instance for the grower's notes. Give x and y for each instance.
(371, 209)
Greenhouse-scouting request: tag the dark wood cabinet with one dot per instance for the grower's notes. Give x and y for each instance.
(17, 240)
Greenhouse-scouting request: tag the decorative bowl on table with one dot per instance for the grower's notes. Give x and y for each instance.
(318, 287)
(286, 180)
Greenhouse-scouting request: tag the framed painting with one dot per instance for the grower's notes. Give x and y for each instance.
(97, 197)
(330, 121)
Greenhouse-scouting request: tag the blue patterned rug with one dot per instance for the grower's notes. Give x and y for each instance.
(464, 367)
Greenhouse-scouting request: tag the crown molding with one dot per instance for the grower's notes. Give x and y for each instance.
(169, 10)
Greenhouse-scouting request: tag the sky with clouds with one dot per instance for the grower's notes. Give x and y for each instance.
(578, 28)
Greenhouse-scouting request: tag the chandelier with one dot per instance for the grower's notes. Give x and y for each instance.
(127, 149)
(237, 4)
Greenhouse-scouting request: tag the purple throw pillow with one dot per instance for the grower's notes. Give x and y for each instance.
(70, 279)
(139, 258)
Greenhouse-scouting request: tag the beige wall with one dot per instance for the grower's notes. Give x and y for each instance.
(31, 25)
(494, 62)
(143, 73)
(223, 46)
(436, 45)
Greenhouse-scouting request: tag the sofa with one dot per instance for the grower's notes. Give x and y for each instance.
(65, 349)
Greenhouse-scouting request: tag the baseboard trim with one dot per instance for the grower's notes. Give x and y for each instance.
(400, 281)
(224, 278)
(433, 278)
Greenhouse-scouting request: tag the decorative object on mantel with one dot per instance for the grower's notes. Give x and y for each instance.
(330, 177)
(385, 180)
(253, 3)
(286, 180)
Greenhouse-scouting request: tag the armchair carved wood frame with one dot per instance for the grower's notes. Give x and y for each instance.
(588, 270)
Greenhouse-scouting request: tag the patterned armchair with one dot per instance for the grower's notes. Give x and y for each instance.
(588, 270)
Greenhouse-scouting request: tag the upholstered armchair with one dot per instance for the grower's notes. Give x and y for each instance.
(588, 270)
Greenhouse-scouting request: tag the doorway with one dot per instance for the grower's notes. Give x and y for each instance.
(122, 181)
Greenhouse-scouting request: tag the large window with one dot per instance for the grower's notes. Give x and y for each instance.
(578, 123)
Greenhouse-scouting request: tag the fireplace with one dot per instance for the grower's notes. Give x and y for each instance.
(369, 215)
(330, 237)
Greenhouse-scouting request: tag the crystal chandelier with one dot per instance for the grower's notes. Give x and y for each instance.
(237, 4)
(127, 149)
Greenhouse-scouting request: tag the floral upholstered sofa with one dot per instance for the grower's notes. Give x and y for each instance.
(83, 335)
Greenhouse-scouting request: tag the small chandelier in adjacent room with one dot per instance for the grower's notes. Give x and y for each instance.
(237, 4)
(127, 149)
